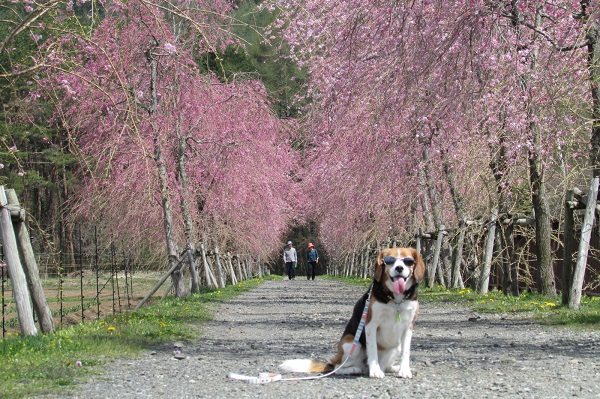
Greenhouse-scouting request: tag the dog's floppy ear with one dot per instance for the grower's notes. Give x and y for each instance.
(379, 267)
(419, 269)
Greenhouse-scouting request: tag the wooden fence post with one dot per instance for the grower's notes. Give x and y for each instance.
(239, 268)
(457, 281)
(160, 282)
(584, 244)
(484, 277)
(193, 269)
(234, 279)
(208, 274)
(40, 304)
(15, 269)
(219, 266)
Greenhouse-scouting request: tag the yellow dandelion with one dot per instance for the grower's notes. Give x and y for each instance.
(110, 329)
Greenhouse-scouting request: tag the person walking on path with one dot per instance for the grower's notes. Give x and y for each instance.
(290, 260)
(312, 257)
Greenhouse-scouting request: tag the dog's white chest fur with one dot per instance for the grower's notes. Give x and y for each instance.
(392, 320)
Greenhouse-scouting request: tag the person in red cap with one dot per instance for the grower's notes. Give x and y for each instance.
(312, 257)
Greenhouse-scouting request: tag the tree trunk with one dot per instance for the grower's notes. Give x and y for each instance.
(167, 217)
(459, 208)
(15, 269)
(438, 261)
(543, 235)
(498, 165)
(543, 226)
(569, 249)
(442, 258)
(190, 234)
(163, 183)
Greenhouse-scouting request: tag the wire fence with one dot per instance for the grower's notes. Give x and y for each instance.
(87, 290)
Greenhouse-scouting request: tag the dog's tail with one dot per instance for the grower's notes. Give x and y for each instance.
(306, 366)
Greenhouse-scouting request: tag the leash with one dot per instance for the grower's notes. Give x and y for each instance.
(265, 378)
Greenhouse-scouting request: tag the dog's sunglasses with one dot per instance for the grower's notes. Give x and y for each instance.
(390, 260)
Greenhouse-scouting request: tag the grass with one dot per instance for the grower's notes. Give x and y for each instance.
(542, 309)
(545, 310)
(46, 363)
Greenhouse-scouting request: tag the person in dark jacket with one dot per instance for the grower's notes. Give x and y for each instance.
(312, 257)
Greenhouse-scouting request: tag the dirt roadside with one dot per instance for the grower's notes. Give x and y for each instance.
(454, 354)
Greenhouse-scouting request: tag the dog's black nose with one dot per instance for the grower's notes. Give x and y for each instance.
(399, 269)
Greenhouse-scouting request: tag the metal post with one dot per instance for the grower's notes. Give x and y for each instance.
(97, 265)
(3, 278)
(80, 260)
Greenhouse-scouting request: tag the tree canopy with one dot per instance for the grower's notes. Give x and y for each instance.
(370, 118)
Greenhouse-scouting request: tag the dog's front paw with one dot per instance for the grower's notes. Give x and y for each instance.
(405, 373)
(375, 372)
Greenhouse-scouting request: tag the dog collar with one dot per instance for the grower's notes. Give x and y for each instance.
(383, 294)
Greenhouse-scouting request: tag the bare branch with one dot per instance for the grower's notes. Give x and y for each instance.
(31, 18)
(553, 42)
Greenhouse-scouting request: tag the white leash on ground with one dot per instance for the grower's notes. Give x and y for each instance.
(265, 378)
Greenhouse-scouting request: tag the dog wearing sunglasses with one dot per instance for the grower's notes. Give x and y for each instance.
(389, 323)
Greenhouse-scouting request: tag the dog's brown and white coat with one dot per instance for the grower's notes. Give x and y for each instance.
(388, 329)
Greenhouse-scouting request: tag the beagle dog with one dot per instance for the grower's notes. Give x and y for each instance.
(389, 322)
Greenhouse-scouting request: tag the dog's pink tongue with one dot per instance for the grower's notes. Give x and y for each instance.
(399, 285)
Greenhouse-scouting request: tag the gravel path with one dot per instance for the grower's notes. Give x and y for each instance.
(452, 356)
